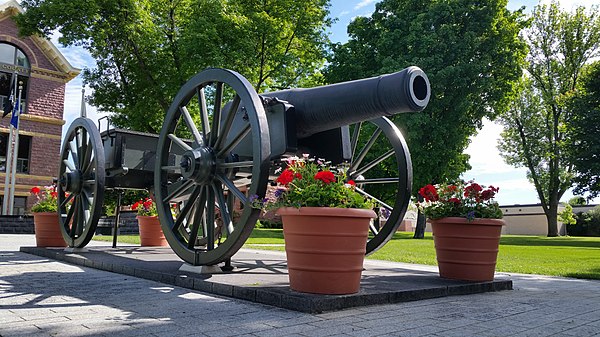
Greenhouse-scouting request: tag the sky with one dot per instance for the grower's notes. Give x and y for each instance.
(488, 168)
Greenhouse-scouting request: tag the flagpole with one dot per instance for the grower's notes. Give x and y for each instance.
(6, 205)
(6, 210)
(15, 156)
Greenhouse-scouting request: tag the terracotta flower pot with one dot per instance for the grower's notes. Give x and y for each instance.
(325, 248)
(467, 250)
(47, 230)
(151, 233)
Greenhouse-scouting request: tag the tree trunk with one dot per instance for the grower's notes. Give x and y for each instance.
(552, 218)
(420, 228)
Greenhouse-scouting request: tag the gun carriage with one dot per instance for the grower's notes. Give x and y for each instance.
(219, 144)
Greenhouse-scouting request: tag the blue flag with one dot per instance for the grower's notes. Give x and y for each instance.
(15, 115)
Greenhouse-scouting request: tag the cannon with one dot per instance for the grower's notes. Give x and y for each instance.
(219, 145)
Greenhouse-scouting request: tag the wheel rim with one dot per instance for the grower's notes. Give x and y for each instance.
(80, 182)
(386, 164)
(218, 166)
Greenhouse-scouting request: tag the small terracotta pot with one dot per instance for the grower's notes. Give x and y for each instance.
(47, 230)
(325, 248)
(467, 250)
(151, 233)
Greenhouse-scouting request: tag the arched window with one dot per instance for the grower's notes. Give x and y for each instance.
(14, 69)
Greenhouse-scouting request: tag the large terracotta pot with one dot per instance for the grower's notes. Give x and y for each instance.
(325, 248)
(467, 250)
(151, 233)
(47, 230)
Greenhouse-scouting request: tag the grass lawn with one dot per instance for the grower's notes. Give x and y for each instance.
(562, 256)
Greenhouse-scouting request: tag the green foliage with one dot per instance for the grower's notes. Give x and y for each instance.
(566, 216)
(146, 50)
(536, 124)
(472, 55)
(46, 199)
(587, 224)
(577, 201)
(469, 201)
(313, 183)
(128, 197)
(585, 128)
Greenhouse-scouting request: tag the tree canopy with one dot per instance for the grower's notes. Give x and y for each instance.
(472, 55)
(585, 133)
(146, 49)
(536, 125)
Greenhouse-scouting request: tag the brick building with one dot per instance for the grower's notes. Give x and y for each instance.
(44, 72)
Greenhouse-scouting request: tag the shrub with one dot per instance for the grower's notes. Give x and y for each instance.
(588, 223)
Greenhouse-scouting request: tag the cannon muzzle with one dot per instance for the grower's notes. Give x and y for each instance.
(332, 106)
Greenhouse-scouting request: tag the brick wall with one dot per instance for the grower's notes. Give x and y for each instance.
(45, 98)
(14, 224)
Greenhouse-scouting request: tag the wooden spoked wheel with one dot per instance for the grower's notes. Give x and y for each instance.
(80, 182)
(382, 169)
(212, 159)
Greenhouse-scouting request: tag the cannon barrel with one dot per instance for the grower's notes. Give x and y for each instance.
(332, 106)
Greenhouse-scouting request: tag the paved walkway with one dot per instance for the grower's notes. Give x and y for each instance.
(41, 297)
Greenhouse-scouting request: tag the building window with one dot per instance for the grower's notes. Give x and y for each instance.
(24, 156)
(14, 71)
(20, 205)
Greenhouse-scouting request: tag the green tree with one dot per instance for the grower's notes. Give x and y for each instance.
(536, 124)
(471, 53)
(146, 49)
(585, 131)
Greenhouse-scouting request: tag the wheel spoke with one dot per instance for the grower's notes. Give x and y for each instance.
(231, 186)
(78, 142)
(84, 149)
(171, 168)
(228, 121)
(69, 165)
(179, 142)
(355, 136)
(190, 123)
(225, 211)
(375, 162)
(210, 220)
(67, 200)
(183, 214)
(87, 160)
(198, 216)
(393, 180)
(238, 138)
(236, 164)
(216, 121)
(70, 216)
(73, 213)
(177, 189)
(363, 152)
(383, 204)
(203, 113)
(73, 151)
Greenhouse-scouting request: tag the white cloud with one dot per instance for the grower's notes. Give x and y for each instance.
(343, 13)
(485, 157)
(363, 3)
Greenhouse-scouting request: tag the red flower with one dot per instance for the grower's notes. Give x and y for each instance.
(148, 204)
(429, 193)
(473, 190)
(135, 206)
(454, 200)
(298, 176)
(351, 182)
(325, 176)
(489, 193)
(286, 177)
(54, 194)
(35, 190)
